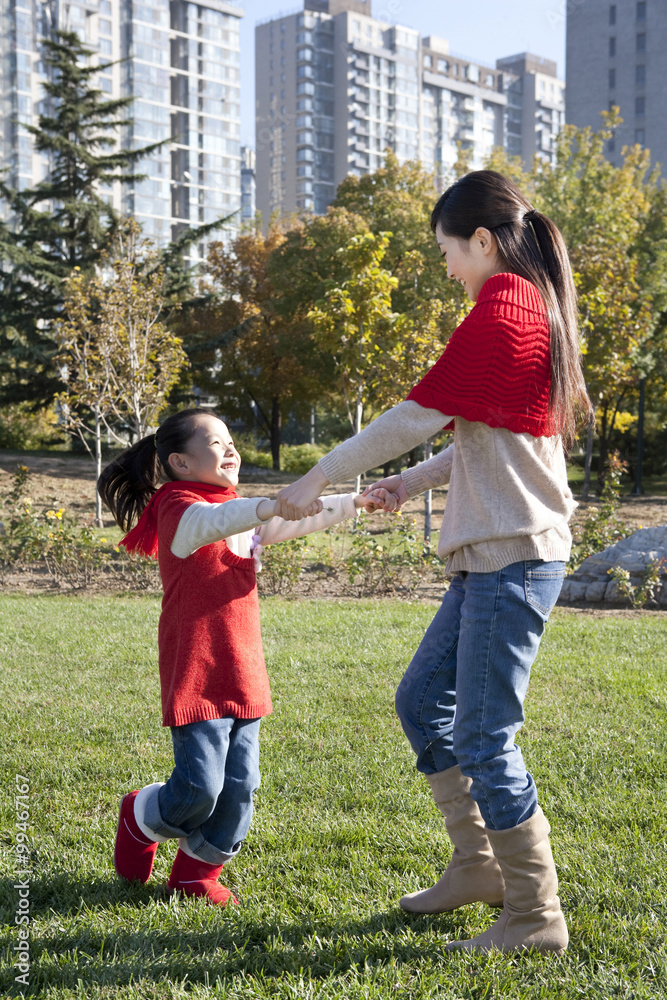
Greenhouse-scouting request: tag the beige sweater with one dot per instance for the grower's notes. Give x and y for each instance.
(508, 497)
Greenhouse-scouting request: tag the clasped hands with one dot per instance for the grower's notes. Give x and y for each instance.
(301, 498)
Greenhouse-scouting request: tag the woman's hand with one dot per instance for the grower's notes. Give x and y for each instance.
(301, 499)
(378, 499)
(393, 485)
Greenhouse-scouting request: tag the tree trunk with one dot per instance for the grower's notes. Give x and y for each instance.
(603, 439)
(276, 432)
(98, 462)
(358, 414)
(428, 501)
(585, 489)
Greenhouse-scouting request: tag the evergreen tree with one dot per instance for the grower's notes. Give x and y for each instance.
(63, 221)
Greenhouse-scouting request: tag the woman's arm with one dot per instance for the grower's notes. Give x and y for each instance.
(395, 432)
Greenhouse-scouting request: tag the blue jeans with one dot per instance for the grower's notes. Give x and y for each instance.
(461, 699)
(209, 797)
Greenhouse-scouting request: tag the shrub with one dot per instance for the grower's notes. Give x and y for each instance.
(602, 527)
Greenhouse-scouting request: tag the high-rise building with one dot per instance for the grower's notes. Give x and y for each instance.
(535, 107)
(248, 185)
(336, 87)
(615, 55)
(181, 65)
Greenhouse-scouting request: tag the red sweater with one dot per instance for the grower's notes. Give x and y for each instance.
(496, 368)
(209, 641)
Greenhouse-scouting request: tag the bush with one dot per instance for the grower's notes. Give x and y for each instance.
(23, 430)
(300, 458)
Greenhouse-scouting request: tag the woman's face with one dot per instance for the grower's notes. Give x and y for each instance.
(470, 262)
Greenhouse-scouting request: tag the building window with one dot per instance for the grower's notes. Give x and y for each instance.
(611, 146)
(640, 106)
(641, 10)
(612, 79)
(640, 136)
(612, 14)
(640, 76)
(612, 46)
(641, 43)
(428, 62)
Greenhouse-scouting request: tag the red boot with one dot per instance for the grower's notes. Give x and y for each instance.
(133, 854)
(193, 877)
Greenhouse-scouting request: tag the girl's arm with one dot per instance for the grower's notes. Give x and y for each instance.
(203, 523)
(334, 509)
(392, 434)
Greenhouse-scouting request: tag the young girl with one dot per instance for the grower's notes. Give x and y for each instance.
(510, 384)
(213, 680)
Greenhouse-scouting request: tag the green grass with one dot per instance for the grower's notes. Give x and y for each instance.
(343, 824)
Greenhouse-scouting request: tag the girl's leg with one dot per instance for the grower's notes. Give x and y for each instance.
(209, 756)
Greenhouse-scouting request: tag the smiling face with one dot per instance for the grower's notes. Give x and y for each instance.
(210, 457)
(470, 262)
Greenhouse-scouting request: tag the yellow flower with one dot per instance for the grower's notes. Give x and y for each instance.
(50, 534)
(102, 539)
(59, 513)
(50, 514)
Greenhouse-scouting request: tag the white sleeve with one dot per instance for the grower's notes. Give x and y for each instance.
(429, 475)
(336, 508)
(203, 523)
(398, 430)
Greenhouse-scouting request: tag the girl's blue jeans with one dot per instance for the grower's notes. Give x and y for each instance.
(461, 699)
(209, 797)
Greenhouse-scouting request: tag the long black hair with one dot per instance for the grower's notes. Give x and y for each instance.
(531, 245)
(127, 484)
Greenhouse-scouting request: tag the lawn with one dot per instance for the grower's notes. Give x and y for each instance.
(343, 824)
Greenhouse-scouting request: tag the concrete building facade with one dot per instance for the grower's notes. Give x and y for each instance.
(181, 67)
(615, 55)
(535, 106)
(336, 87)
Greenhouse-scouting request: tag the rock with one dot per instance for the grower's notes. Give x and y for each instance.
(592, 582)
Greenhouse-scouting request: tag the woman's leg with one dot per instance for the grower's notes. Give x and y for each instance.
(425, 702)
(503, 617)
(502, 621)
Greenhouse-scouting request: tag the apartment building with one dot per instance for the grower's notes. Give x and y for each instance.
(336, 87)
(182, 69)
(535, 106)
(615, 55)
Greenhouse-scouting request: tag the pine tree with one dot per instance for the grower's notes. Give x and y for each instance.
(63, 221)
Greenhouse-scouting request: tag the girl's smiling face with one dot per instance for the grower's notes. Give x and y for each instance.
(210, 457)
(470, 262)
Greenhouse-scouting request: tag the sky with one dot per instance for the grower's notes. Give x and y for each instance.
(481, 30)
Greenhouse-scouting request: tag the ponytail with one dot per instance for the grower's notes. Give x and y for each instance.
(531, 246)
(127, 484)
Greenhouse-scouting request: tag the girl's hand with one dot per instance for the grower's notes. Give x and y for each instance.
(393, 485)
(378, 499)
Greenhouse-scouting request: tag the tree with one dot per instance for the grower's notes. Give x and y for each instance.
(116, 356)
(64, 221)
(250, 350)
(356, 325)
(605, 214)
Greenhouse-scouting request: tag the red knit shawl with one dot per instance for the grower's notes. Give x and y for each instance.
(143, 537)
(496, 367)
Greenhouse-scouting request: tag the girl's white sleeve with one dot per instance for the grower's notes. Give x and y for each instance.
(335, 508)
(203, 523)
(429, 475)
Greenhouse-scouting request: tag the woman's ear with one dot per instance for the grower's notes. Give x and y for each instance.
(485, 240)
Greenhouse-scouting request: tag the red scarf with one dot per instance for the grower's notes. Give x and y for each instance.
(496, 368)
(143, 537)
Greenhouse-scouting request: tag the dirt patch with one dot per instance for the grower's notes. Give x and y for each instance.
(65, 480)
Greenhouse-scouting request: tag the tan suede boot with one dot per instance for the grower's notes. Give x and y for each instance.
(531, 916)
(473, 874)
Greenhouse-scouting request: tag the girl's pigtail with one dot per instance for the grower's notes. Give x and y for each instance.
(127, 484)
